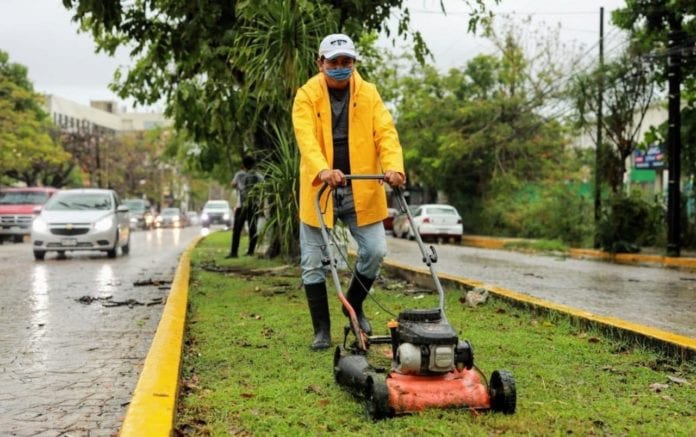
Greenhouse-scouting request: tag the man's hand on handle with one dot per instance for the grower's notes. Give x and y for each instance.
(394, 178)
(334, 178)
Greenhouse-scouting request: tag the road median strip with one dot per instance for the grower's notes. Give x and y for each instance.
(153, 406)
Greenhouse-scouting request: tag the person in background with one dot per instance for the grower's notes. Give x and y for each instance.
(247, 209)
(342, 127)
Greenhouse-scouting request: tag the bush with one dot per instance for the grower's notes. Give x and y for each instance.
(629, 222)
(556, 211)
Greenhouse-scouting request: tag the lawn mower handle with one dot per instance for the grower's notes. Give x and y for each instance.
(429, 258)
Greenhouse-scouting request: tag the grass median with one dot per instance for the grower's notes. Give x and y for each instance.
(248, 369)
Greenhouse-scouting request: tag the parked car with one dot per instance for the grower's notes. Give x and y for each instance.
(81, 219)
(17, 207)
(437, 222)
(171, 218)
(400, 225)
(193, 218)
(140, 212)
(216, 212)
(389, 221)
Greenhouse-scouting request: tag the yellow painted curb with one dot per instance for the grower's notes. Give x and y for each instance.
(153, 406)
(483, 242)
(685, 345)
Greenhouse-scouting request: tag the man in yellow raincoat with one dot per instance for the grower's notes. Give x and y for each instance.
(342, 127)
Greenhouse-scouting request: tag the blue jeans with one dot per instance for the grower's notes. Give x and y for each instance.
(372, 244)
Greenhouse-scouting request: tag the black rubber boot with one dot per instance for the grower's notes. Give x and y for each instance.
(319, 310)
(357, 292)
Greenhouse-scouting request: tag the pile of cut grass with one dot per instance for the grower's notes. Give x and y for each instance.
(248, 368)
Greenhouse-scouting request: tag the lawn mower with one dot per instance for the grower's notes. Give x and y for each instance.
(430, 366)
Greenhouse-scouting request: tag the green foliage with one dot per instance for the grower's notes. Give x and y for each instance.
(627, 92)
(537, 245)
(477, 134)
(27, 151)
(551, 210)
(279, 193)
(247, 368)
(225, 67)
(228, 70)
(629, 222)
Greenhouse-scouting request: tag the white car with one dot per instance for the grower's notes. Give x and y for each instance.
(437, 222)
(81, 219)
(216, 211)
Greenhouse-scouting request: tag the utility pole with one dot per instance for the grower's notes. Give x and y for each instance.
(599, 150)
(674, 60)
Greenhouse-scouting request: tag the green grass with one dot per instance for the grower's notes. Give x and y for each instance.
(248, 369)
(537, 246)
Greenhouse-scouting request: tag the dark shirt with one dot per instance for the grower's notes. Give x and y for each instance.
(340, 100)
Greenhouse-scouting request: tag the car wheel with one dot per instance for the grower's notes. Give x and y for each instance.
(126, 249)
(111, 253)
(39, 255)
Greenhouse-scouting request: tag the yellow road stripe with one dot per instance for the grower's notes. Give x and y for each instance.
(153, 406)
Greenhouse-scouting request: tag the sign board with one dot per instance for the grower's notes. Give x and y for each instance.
(653, 158)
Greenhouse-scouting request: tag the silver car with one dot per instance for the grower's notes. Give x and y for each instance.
(81, 219)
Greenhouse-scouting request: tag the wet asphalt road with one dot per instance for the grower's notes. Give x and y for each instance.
(66, 367)
(658, 297)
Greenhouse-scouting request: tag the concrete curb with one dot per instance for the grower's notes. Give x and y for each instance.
(153, 407)
(674, 344)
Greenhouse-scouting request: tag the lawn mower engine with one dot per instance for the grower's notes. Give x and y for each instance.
(427, 345)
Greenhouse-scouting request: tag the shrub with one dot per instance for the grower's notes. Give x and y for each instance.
(629, 222)
(555, 211)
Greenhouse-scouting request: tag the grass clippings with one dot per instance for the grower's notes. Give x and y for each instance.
(248, 369)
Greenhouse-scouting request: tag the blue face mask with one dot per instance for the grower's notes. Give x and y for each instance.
(340, 73)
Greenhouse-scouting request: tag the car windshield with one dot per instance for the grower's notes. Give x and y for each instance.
(23, 198)
(170, 212)
(412, 209)
(441, 210)
(79, 201)
(135, 205)
(216, 205)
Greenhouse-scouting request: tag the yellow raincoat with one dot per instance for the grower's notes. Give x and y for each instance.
(373, 143)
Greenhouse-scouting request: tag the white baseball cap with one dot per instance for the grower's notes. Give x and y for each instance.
(335, 45)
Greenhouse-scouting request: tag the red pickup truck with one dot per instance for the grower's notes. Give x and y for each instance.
(17, 210)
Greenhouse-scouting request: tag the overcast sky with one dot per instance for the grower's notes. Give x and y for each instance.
(61, 61)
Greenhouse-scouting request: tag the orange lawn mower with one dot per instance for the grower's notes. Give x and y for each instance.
(430, 366)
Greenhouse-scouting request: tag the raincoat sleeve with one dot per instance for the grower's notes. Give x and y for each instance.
(386, 138)
(306, 125)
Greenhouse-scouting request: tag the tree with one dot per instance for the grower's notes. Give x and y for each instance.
(226, 69)
(467, 131)
(627, 95)
(27, 151)
(667, 29)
